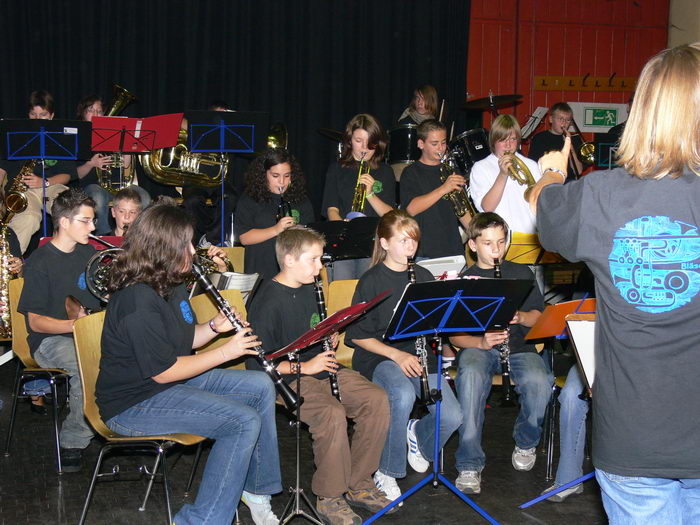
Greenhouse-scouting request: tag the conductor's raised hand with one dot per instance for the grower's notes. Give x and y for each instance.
(552, 165)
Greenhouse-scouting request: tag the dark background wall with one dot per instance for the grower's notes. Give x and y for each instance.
(311, 63)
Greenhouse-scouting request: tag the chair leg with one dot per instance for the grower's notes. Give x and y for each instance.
(197, 455)
(54, 413)
(551, 423)
(13, 412)
(151, 476)
(95, 474)
(166, 489)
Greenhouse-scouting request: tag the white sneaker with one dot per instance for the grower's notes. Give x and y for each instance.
(561, 496)
(388, 486)
(469, 481)
(415, 458)
(524, 458)
(260, 508)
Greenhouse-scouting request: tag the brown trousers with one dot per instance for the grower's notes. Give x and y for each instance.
(341, 465)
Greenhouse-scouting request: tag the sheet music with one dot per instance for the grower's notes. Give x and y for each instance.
(533, 121)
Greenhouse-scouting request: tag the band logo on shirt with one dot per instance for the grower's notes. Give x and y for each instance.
(296, 215)
(82, 283)
(186, 310)
(377, 187)
(314, 320)
(655, 263)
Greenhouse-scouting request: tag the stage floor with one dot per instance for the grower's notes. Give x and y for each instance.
(31, 491)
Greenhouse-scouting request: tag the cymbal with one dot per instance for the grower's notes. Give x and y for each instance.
(332, 134)
(498, 101)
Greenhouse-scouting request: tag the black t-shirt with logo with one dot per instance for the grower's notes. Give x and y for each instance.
(260, 258)
(143, 336)
(340, 188)
(640, 239)
(278, 315)
(51, 275)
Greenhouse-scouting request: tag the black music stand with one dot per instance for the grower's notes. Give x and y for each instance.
(347, 239)
(227, 132)
(438, 307)
(27, 139)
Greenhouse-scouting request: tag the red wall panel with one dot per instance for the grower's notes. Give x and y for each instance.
(512, 41)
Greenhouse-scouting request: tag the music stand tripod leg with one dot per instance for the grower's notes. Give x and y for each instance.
(435, 477)
(293, 507)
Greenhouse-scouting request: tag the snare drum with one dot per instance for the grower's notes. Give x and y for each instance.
(403, 144)
(468, 148)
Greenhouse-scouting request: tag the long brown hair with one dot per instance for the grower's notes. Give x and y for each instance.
(429, 94)
(256, 176)
(155, 250)
(391, 223)
(662, 134)
(377, 140)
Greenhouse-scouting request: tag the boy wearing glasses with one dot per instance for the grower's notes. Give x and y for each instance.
(53, 272)
(560, 118)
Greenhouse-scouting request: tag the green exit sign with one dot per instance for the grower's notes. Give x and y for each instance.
(605, 117)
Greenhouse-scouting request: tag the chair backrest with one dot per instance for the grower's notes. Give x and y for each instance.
(204, 308)
(237, 256)
(20, 346)
(339, 296)
(87, 333)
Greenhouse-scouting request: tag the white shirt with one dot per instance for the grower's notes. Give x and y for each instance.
(513, 207)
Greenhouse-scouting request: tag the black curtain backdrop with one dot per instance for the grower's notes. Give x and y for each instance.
(310, 64)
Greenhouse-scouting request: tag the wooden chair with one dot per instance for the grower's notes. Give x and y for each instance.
(28, 368)
(339, 296)
(237, 256)
(88, 334)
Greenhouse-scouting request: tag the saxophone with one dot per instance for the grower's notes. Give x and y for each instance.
(5, 276)
(16, 196)
(426, 395)
(327, 346)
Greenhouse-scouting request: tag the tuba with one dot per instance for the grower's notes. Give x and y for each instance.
(177, 166)
(460, 199)
(122, 98)
(358, 199)
(520, 173)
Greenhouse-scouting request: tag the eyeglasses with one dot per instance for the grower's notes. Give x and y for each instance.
(86, 221)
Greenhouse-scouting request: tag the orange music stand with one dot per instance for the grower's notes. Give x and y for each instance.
(552, 322)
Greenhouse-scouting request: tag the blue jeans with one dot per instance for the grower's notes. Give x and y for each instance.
(235, 408)
(102, 197)
(402, 391)
(641, 501)
(533, 383)
(349, 269)
(572, 428)
(59, 352)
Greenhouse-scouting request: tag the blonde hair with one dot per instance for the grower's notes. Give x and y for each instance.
(295, 240)
(502, 127)
(391, 223)
(662, 134)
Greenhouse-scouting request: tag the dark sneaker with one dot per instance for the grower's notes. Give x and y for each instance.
(71, 459)
(335, 511)
(371, 499)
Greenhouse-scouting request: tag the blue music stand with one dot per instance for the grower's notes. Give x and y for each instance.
(27, 139)
(460, 305)
(242, 132)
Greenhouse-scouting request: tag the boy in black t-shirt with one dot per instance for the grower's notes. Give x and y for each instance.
(560, 118)
(283, 309)
(423, 192)
(478, 361)
(125, 208)
(54, 271)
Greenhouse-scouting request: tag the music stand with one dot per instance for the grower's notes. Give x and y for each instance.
(227, 132)
(460, 305)
(347, 239)
(40, 139)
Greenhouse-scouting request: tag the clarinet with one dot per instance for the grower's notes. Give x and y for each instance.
(327, 345)
(503, 348)
(426, 396)
(290, 398)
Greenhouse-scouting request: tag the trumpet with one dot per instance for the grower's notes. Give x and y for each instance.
(460, 199)
(358, 200)
(520, 173)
